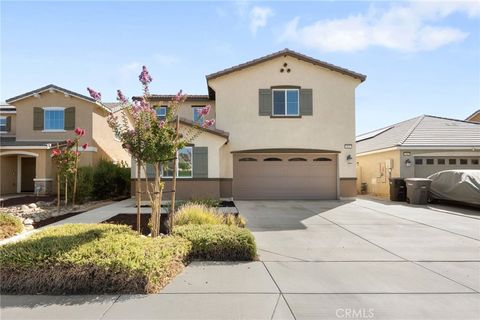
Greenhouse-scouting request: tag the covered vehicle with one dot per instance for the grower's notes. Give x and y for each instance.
(456, 185)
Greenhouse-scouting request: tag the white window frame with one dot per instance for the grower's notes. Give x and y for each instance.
(4, 118)
(286, 103)
(178, 162)
(193, 114)
(161, 108)
(45, 118)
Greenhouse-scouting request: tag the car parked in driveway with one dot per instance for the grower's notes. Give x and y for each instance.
(456, 185)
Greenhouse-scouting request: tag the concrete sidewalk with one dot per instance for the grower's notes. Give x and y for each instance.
(319, 260)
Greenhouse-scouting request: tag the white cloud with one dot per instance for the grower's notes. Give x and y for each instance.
(165, 60)
(129, 70)
(407, 28)
(259, 17)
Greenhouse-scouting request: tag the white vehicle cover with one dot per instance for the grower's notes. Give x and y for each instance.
(456, 185)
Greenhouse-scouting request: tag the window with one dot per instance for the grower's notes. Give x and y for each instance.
(285, 102)
(272, 159)
(463, 161)
(441, 161)
(322, 159)
(161, 112)
(475, 161)
(184, 164)
(418, 161)
(429, 161)
(197, 117)
(247, 159)
(3, 124)
(297, 159)
(54, 119)
(452, 161)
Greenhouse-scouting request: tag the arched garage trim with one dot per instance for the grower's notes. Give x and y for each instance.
(286, 150)
(18, 153)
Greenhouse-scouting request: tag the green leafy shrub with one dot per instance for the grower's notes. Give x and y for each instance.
(201, 214)
(9, 225)
(90, 258)
(84, 185)
(110, 180)
(218, 242)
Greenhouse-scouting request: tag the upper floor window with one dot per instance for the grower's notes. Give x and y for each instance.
(197, 117)
(54, 118)
(285, 102)
(161, 112)
(3, 124)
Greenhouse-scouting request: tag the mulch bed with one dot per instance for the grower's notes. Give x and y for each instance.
(48, 221)
(18, 201)
(131, 220)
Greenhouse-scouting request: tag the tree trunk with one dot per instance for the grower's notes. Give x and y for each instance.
(75, 175)
(174, 178)
(138, 193)
(66, 190)
(58, 190)
(156, 202)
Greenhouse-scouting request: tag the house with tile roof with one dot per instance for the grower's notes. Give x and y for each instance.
(416, 147)
(33, 123)
(474, 117)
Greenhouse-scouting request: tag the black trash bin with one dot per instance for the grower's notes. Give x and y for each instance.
(398, 190)
(417, 190)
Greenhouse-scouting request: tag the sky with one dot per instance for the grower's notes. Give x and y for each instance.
(419, 57)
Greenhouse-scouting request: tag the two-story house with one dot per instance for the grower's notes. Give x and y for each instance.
(33, 123)
(285, 129)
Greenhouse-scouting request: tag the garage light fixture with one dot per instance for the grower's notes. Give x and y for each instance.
(408, 163)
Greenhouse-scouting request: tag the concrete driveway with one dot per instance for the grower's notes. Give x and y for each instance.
(364, 259)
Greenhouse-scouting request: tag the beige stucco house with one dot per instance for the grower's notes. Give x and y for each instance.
(474, 117)
(416, 147)
(34, 122)
(285, 129)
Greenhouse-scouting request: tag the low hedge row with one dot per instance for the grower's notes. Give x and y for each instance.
(9, 226)
(218, 242)
(86, 258)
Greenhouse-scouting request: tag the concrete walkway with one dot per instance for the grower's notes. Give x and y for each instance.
(319, 260)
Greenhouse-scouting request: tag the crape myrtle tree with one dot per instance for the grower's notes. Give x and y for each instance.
(151, 140)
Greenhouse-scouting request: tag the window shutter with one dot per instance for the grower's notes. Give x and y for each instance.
(37, 118)
(70, 118)
(150, 171)
(264, 102)
(306, 102)
(9, 124)
(200, 162)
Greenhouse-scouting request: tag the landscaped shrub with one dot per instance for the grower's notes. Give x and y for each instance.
(84, 185)
(90, 258)
(9, 225)
(208, 202)
(201, 214)
(110, 180)
(218, 242)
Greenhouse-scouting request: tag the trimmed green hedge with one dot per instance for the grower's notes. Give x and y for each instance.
(9, 225)
(90, 258)
(219, 242)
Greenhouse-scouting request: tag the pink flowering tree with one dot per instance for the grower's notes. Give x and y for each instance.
(66, 157)
(151, 140)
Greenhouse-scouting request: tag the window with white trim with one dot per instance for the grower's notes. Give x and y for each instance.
(54, 119)
(161, 112)
(285, 102)
(3, 123)
(184, 164)
(197, 117)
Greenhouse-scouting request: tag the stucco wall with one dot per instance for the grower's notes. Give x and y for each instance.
(331, 126)
(368, 171)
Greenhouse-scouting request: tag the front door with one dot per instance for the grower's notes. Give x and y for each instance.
(28, 174)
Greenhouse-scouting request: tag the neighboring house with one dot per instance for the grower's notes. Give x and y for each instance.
(285, 129)
(474, 117)
(416, 147)
(35, 122)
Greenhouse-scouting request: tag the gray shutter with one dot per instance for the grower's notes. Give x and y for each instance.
(306, 102)
(37, 118)
(70, 118)
(200, 162)
(9, 124)
(264, 102)
(150, 171)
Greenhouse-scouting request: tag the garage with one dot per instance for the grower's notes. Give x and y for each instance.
(426, 166)
(258, 176)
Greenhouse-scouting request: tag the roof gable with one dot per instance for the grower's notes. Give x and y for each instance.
(291, 53)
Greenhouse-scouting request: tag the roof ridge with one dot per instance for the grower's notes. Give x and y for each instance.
(452, 119)
(386, 127)
(410, 131)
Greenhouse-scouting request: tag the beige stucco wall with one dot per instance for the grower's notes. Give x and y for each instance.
(104, 139)
(368, 171)
(475, 118)
(331, 126)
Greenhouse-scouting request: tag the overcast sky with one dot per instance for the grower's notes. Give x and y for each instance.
(419, 57)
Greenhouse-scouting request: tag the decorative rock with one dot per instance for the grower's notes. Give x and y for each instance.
(32, 206)
(36, 218)
(29, 227)
(24, 208)
(28, 222)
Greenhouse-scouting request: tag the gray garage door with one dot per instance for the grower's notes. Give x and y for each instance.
(284, 176)
(425, 166)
